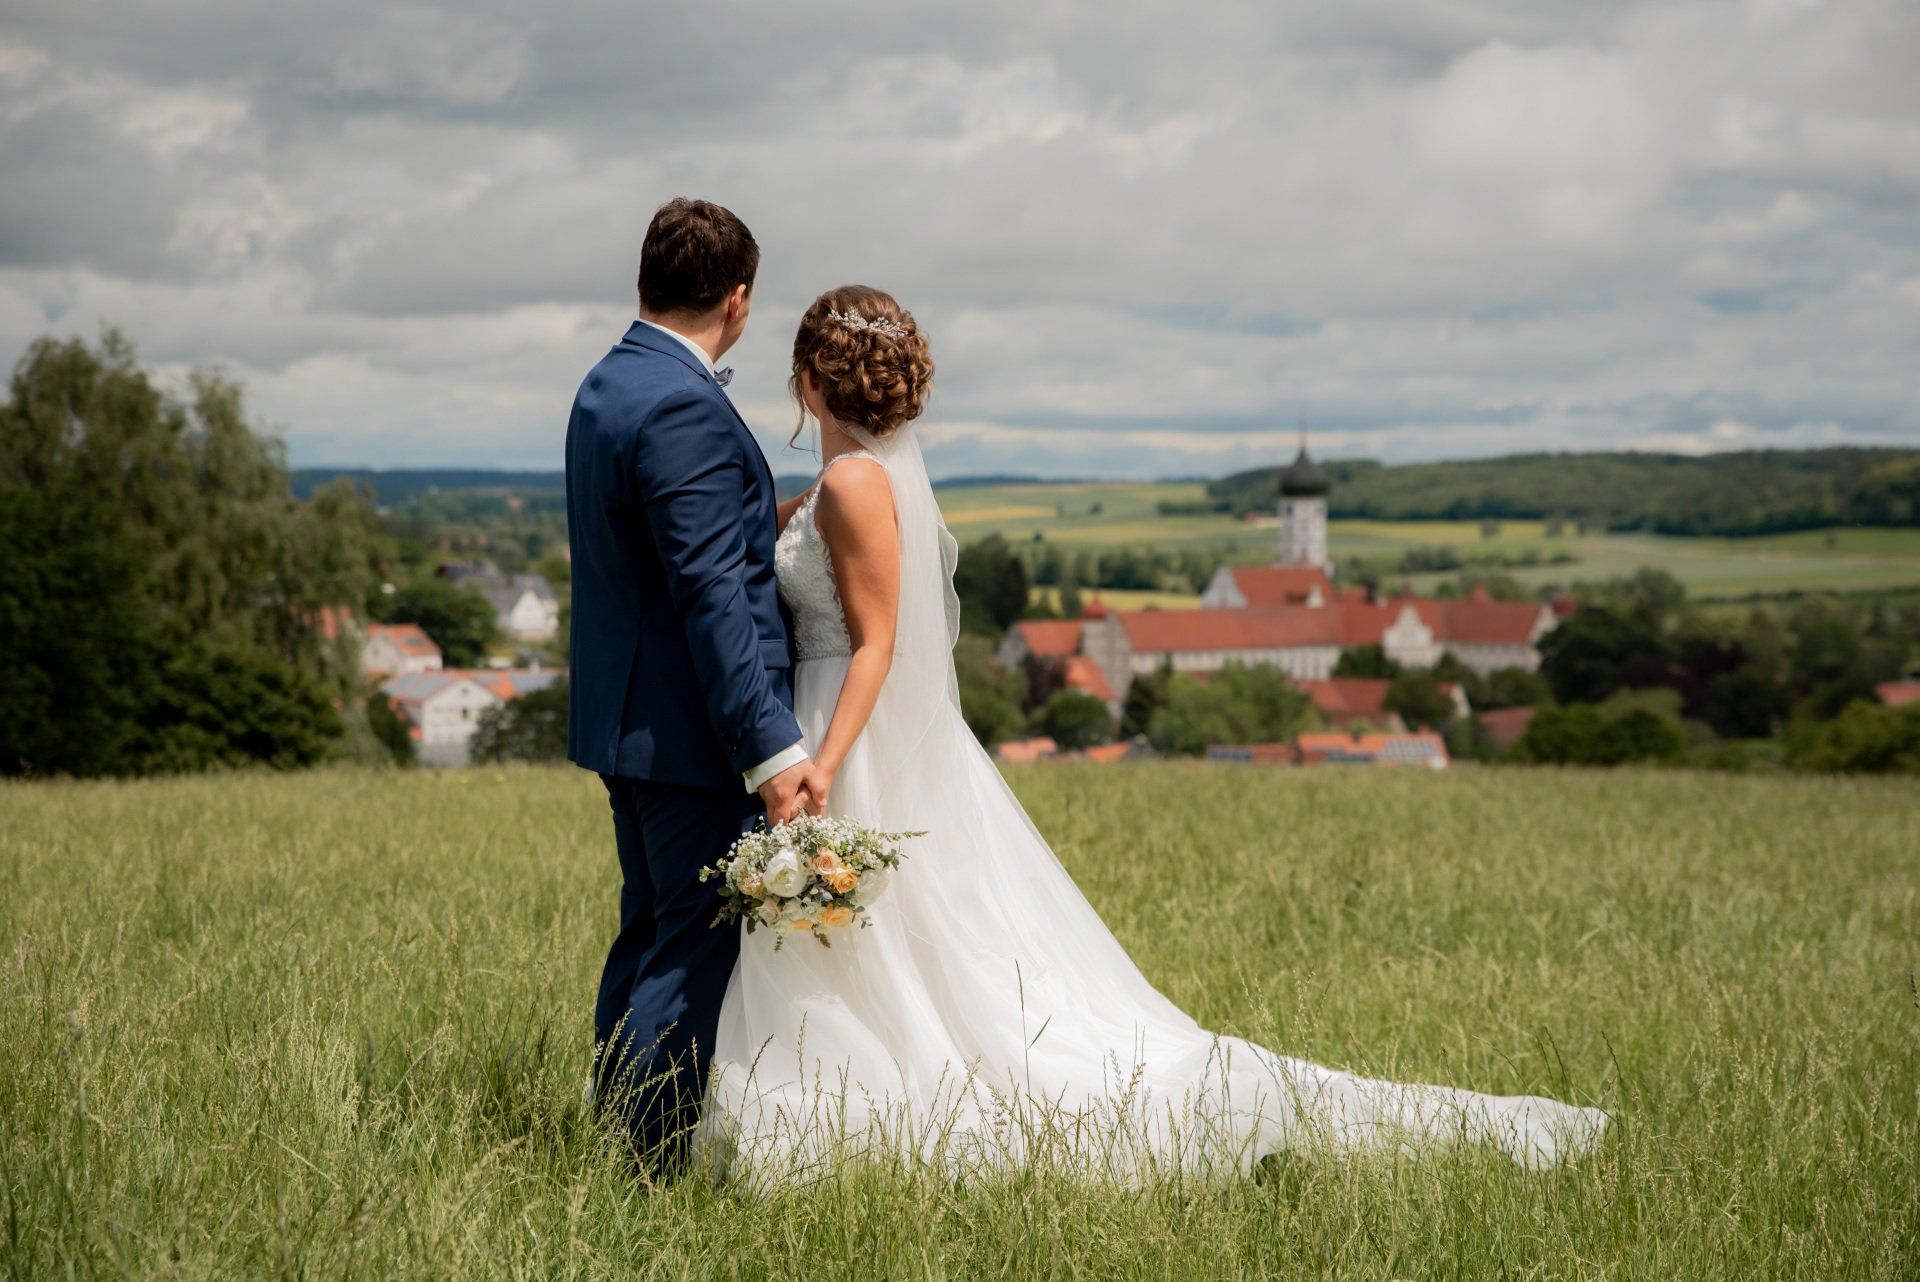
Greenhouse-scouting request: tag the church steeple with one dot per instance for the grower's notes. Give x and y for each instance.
(1303, 511)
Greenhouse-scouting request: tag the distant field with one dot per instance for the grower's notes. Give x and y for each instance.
(336, 1025)
(1099, 515)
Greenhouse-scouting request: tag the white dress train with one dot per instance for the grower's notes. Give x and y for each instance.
(988, 1018)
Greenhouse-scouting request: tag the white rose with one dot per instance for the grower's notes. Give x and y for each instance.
(785, 875)
(872, 883)
(769, 911)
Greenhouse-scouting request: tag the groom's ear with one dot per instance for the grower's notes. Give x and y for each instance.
(739, 303)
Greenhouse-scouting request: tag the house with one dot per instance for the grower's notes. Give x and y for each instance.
(1346, 702)
(1898, 694)
(525, 606)
(1503, 727)
(1025, 750)
(443, 707)
(392, 649)
(1428, 750)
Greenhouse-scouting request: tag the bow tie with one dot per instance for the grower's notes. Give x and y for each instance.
(723, 376)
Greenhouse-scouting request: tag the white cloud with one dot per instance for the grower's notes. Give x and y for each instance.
(1141, 245)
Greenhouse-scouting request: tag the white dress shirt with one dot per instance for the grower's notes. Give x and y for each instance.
(795, 753)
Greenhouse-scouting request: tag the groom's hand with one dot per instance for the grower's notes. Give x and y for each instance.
(800, 786)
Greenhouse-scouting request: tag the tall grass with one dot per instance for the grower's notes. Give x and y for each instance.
(337, 1025)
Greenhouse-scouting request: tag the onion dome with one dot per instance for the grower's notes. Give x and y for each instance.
(1303, 478)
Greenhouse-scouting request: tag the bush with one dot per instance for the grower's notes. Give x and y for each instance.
(530, 728)
(990, 695)
(1074, 719)
(1581, 734)
(232, 706)
(1867, 737)
(1237, 705)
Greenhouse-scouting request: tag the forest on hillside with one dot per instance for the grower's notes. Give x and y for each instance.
(1733, 494)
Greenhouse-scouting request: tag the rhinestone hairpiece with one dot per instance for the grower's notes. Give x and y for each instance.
(879, 324)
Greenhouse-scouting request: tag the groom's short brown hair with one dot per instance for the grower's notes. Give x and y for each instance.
(695, 254)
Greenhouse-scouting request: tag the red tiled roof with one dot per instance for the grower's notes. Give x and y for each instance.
(1273, 628)
(408, 636)
(1504, 726)
(1477, 620)
(1898, 694)
(1077, 672)
(1346, 699)
(1050, 638)
(1269, 585)
(1027, 749)
(1105, 753)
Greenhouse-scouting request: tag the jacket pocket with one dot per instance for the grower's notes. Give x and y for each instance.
(775, 654)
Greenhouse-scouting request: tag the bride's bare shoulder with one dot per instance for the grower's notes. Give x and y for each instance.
(855, 496)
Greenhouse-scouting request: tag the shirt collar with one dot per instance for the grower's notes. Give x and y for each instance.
(706, 362)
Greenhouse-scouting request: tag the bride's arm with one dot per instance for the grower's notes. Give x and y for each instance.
(856, 517)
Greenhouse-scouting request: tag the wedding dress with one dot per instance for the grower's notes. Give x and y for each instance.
(987, 1018)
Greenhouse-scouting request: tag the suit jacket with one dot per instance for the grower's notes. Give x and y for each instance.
(679, 650)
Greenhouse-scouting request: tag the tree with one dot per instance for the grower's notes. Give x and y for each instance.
(989, 694)
(532, 727)
(390, 728)
(1510, 688)
(1561, 736)
(1419, 700)
(1146, 696)
(461, 622)
(1074, 719)
(992, 586)
(1597, 650)
(1237, 705)
(233, 705)
(1744, 704)
(1370, 660)
(159, 572)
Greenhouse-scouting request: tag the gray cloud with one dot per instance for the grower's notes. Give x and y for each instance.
(1145, 242)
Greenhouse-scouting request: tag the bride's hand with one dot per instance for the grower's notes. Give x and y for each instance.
(817, 788)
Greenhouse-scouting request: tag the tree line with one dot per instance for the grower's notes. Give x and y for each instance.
(1732, 494)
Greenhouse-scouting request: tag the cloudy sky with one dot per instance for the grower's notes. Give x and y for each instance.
(1147, 239)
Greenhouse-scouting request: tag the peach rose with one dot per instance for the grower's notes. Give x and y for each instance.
(835, 916)
(834, 873)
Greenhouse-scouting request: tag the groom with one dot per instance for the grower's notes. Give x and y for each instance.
(680, 697)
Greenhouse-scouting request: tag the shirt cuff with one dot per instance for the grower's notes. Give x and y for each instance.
(788, 757)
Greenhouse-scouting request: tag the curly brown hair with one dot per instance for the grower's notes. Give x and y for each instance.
(875, 380)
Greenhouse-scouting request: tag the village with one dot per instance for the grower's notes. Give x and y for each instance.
(1291, 616)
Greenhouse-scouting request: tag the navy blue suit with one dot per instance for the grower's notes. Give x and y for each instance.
(681, 682)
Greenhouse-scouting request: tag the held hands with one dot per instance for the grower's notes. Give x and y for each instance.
(802, 786)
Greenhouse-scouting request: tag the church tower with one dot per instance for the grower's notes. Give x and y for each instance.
(1303, 513)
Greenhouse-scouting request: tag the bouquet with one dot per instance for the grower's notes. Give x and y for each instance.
(813, 875)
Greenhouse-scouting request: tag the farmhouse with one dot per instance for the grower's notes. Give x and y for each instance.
(525, 606)
(396, 648)
(443, 707)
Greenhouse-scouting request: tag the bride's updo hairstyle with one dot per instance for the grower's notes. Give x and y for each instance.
(869, 357)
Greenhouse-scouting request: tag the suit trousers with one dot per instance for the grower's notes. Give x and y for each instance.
(667, 971)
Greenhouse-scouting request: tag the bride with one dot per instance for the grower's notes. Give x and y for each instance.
(987, 1018)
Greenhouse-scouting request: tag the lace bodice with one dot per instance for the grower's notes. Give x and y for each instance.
(804, 568)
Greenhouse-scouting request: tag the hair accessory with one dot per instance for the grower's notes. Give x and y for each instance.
(879, 324)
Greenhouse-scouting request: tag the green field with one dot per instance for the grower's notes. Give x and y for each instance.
(336, 1025)
(1844, 560)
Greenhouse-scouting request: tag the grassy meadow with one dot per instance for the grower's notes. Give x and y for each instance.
(1100, 516)
(336, 1025)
